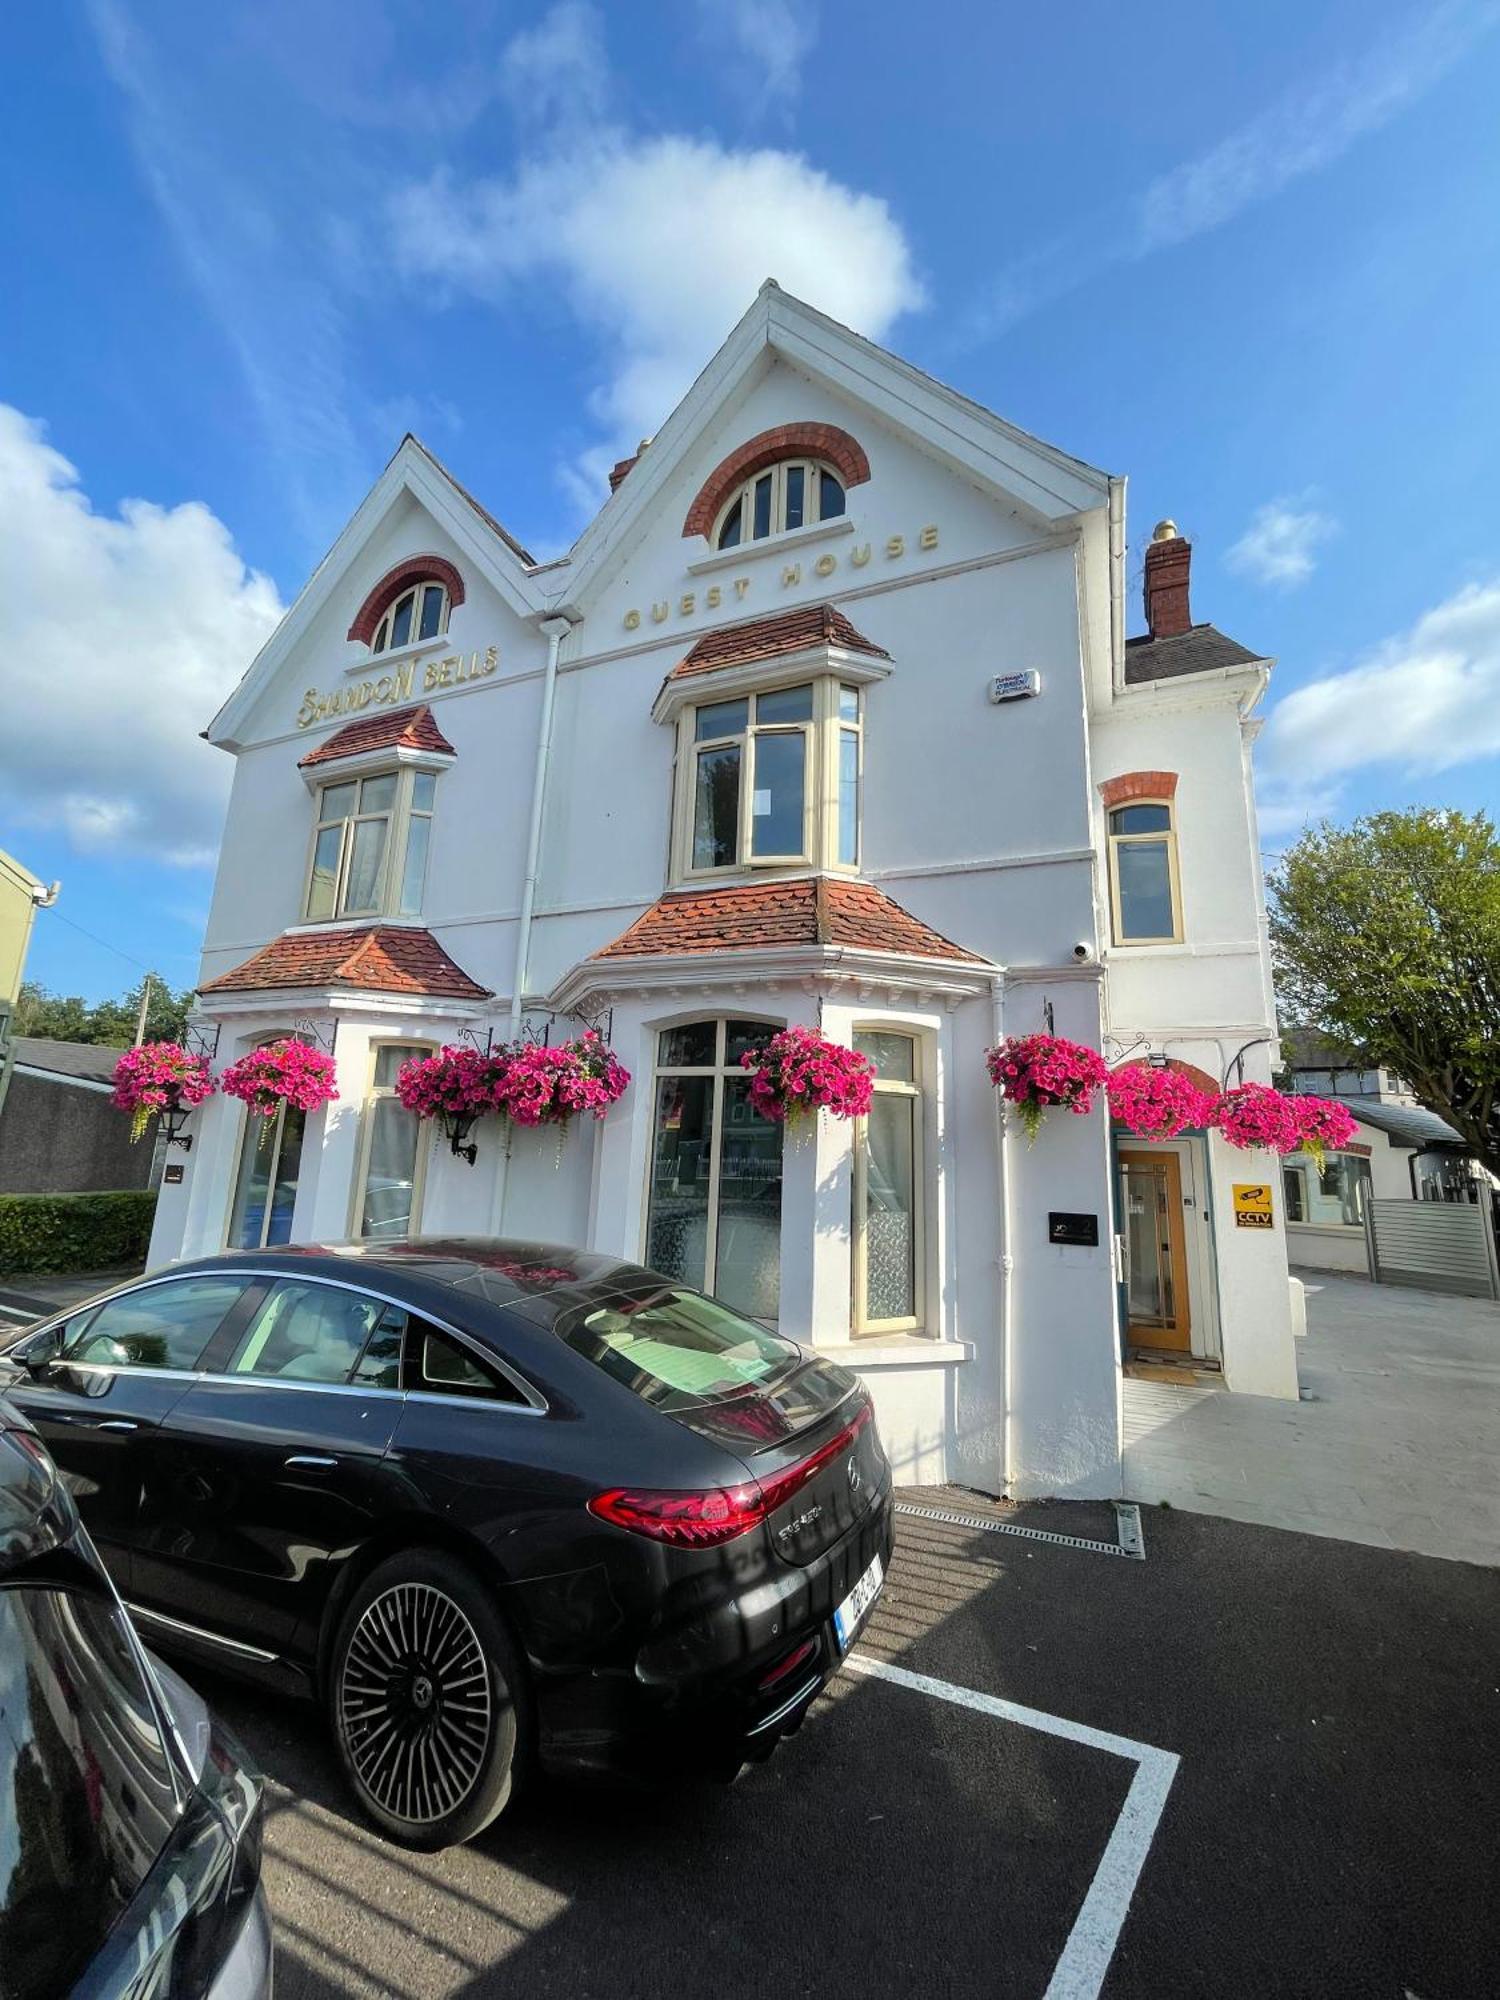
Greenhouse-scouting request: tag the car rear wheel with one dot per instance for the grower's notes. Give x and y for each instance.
(425, 1694)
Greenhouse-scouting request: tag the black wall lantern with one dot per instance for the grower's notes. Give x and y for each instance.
(173, 1118)
(458, 1125)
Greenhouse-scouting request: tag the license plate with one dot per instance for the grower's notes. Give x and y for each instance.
(851, 1613)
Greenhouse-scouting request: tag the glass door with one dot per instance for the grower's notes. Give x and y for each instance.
(1156, 1285)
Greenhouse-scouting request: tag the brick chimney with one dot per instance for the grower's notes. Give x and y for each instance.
(623, 465)
(1168, 558)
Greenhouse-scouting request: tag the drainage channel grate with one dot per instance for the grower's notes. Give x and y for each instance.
(1130, 1543)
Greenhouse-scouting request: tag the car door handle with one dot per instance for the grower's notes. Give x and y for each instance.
(310, 1462)
(116, 1424)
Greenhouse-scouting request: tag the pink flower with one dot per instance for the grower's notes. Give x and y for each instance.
(799, 1072)
(1156, 1103)
(159, 1076)
(1037, 1072)
(525, 1082)
(1252, 1114)
(284, 1072)
(1323, 1124)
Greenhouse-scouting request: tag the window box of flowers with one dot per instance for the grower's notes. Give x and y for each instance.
(287, 1072)
(799, 1073)
(1039, 1073)
(457, 1087)
(549, 1086)
(160, 1077)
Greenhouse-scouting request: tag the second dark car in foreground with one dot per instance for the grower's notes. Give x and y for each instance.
(492, 1503)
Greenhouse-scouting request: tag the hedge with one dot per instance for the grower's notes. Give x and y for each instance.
(74, 1232)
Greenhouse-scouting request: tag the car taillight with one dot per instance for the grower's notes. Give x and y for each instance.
(704, 1519)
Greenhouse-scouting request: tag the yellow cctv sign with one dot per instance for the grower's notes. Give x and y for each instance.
(1252, 1205)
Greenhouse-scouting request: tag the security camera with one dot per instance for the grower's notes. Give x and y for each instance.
(1083, 952)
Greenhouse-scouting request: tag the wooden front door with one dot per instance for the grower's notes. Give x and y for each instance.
(1156, 1284)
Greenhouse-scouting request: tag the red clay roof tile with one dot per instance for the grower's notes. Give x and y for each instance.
(394, 729)
(810, 910)
(386, 958)
(766, 638)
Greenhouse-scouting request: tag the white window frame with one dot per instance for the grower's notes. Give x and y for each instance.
(1116, 842)
(861, 1325)
(723, 1074)
(381, 643)
(399, 816)
(373, 1094)
(253, 1133)
(743, 496)
(822, 735)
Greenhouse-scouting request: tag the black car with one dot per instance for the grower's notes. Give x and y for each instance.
(494, 1504)
(130, 1826)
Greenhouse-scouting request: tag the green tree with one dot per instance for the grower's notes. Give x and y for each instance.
(68, 1018)
(1386, 935)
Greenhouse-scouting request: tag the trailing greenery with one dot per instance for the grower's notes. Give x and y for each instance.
(74, 1232)
(61, 1017)
(1386, 935)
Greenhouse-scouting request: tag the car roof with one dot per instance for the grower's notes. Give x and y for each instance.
(500, 1271)
(35, 1510)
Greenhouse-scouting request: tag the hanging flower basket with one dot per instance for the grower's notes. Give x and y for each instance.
(456, 1086)
(1253, 1115)
(1155, 1103)
(1040, 1073)
(549, 1086)
(159, 1077)
(284, 1072)
(1325, 1126)
(800, 1072)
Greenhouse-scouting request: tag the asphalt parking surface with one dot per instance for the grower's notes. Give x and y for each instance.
(1330, 1829)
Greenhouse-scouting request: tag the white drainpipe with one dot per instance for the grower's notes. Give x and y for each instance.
(1006, 1259)
(555, 630)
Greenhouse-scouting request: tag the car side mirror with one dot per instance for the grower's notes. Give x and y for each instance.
(37, 1356)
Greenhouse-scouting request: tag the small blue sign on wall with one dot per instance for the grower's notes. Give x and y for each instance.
(1015, 687)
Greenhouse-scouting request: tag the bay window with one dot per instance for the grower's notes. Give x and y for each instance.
(388, 1188)
(772, 779)
(887, 1190)
(714, 1203)
(370, 846)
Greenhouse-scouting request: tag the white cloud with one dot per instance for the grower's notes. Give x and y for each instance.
(1422, 702)
(556, 74)
(129, 631)
(1281, 543)
(773, 38)
(659, 243)
(1307, 128)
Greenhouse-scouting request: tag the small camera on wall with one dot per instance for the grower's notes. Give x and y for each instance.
(1083, 952)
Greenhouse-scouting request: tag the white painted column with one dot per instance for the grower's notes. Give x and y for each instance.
(1255, 1307)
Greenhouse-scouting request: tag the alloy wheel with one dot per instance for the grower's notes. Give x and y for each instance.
(414, 1703)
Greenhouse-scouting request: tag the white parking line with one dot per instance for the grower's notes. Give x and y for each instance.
(1079, 1973)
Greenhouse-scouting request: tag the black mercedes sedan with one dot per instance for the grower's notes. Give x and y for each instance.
(130, 1825)
(495, 1505)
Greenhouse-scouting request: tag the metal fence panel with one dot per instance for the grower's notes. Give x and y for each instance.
(1446, 1246)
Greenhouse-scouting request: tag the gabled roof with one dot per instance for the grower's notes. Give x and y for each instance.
(1201, 649)
(394, 729)
(748, 916)
(384, 958)
(767, 638)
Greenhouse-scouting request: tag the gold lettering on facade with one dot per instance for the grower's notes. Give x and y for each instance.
(689, 602)
(383, 692)
(659, 611)
(860, 556)
(896, 546)
(713, 597)
(825, 565)
(686, 608)
(741, 585)
(632, 621)
(928, 536)
(792, 573)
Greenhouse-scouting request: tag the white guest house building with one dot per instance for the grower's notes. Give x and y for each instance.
(829, 717)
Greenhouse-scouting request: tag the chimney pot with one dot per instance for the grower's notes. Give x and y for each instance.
(1168, 562)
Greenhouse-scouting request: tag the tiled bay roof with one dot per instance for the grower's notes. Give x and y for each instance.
(385, 958)
(766, 638)
(1199, 650)
(392, 729)
(751, 915)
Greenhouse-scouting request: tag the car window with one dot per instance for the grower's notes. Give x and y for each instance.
(444, 1367)
(379, 1367)
(86, 1793)
(676, 1349)
(307, 1332)
(159, 1326)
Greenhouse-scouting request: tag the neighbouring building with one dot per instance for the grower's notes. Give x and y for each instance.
(21, 896)
(59, 1130)
(829, 716)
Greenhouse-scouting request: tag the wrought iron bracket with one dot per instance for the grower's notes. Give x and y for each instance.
(306, 1030)
(470, 1037)
(201, 1038)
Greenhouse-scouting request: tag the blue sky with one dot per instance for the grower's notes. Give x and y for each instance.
(1248, 256)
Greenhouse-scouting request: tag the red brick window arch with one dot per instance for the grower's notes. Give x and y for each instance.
(410, 602)
(792, 476)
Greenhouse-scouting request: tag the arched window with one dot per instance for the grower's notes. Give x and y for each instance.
(793, 494)
(265, 1182)
(1144, 892)
(418, 613)
(714, 1207)
(388, 1186)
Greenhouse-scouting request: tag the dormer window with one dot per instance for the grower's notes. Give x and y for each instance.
(419, 613)
(369, 853)
(797, 493)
